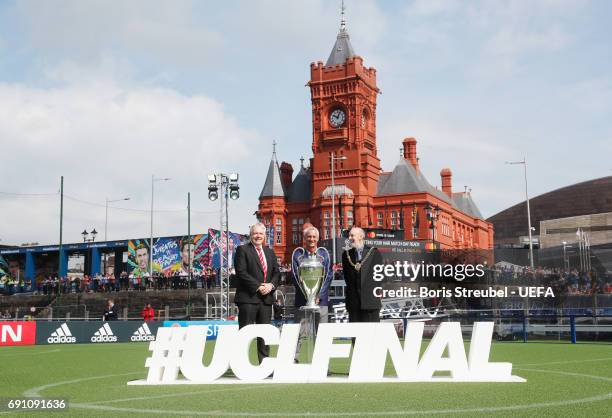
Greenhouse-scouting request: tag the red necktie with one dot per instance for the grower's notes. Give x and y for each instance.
(263, 263)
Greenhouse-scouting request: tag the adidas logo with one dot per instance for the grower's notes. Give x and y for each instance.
(143, 333)
(104, 335)
(62, 335)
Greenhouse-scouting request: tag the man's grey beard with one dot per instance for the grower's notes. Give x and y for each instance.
(357, 247)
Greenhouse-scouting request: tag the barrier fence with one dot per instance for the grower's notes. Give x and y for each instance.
(72, 332)
(511, 326)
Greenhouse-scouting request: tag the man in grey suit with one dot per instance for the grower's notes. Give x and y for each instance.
(257, 275)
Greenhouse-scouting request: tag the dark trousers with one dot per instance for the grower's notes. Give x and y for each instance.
(255, 313)
(364, 315)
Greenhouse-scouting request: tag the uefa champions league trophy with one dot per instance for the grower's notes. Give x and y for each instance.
(311, 273)
(310, 277)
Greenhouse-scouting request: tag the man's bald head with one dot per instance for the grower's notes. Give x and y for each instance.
(356, 236)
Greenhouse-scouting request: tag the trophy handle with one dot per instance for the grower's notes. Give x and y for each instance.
(326, 265)
(296, 258)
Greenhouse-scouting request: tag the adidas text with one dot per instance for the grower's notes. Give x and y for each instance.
(103, 339)
(61, 340)
(142, 338)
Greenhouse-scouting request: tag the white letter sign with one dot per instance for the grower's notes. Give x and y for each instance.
(181, 349)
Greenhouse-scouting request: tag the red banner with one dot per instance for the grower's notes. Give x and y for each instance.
(17, 333)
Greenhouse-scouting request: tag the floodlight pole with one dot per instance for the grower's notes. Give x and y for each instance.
(189, 244)
(222, 183)
(59, 265)
(151, 236)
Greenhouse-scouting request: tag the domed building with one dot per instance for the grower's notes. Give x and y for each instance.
(580, 199)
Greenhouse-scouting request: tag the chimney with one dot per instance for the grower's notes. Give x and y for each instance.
(286, 172)
(447, 181)
(410, 153)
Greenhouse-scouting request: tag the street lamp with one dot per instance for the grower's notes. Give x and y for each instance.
(332, 159)
(106, 225)
(524, 163)
(86, 234)
(227, 185)
(432, 213)
(153, 180)
(106, 215)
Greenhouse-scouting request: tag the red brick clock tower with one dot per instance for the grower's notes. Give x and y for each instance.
(344, 93)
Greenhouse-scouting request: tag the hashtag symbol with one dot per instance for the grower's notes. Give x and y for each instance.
(167, 350)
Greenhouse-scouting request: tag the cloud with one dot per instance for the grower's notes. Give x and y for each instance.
(592, 96)
(494, 38)
(107, 139)
(474, 154)
(428, 8)
(111, 95)
(511, 41)
(150, 29)
(305, 27)
(518, 30)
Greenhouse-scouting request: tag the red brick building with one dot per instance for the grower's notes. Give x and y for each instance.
(344, 93)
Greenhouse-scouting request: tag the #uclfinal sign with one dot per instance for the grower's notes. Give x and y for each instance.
(181, 349)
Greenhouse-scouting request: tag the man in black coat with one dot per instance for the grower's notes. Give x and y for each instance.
(257, 275)
(111, 312)
(358, 268)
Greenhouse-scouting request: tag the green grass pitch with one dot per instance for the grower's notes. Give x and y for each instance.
(562, 380)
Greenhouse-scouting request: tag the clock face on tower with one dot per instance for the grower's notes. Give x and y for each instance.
(337, 118)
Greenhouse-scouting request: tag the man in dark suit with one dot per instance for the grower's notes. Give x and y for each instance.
(257, 275)
(111, 311)
(358, 268)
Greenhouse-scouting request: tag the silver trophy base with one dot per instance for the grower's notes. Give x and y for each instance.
(315, 308)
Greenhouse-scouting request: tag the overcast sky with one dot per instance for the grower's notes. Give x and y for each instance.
(109, 93)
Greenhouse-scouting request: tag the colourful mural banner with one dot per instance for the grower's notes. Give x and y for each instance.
(170, 255)
(3, 267)
(3, 272)
(219, 242)
(11, 272)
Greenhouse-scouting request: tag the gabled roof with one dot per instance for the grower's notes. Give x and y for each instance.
(299, 191)
(382, 179)
(405, 179)
(273, 185)
(464, 202)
